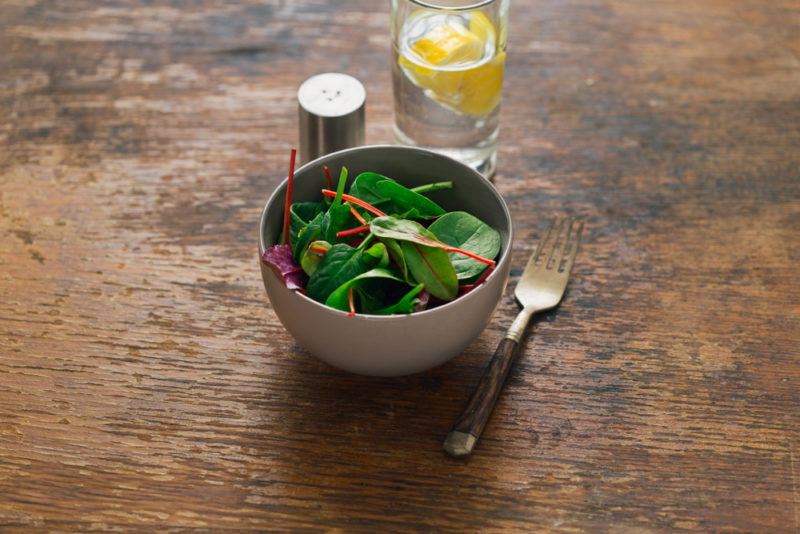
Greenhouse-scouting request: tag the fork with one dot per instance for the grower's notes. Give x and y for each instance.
(540, 288)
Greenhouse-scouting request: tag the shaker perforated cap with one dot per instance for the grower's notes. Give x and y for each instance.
(331, 107)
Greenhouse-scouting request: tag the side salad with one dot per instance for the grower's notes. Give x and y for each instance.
(380, 248)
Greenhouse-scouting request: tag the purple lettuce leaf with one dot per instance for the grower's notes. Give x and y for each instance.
(279, 259)
(422, 301)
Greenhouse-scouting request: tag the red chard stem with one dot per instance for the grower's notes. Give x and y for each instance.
(469, 254)
(357, 215)
(357, 201)
(289, 183)
(353, 231)
(328, 176)
(479, 281)
(351, 303)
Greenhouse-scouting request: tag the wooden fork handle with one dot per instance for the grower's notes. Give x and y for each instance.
(469, 426)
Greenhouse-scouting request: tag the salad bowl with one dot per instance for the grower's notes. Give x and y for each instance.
(390, 345)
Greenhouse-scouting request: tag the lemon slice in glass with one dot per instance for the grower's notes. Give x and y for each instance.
(447, 61)
(482, 27)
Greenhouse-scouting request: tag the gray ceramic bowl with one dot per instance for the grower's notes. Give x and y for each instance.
(398, 344)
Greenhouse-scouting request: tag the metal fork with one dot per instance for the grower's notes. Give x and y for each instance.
(540, 288)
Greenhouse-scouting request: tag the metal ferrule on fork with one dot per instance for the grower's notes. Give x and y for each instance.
(517, 328)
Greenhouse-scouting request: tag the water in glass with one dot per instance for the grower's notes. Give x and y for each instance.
(448, 75)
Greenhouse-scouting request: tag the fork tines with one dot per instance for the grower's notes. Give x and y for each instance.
(558, 247)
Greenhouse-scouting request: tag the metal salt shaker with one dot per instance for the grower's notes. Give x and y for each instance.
(331, 109)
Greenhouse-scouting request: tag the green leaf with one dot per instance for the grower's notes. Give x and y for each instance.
(406, 200)
(405, 304)
(423, 253)
(365, 187)
(403, 230)
(310, 259)
(338, 298)
(431, 266)
(340, 264)
(385, 193)
(311, 232)
(337, 218)
(396, 254)
(379, 253)
(300, 214)
(338, 214)
(462, 230)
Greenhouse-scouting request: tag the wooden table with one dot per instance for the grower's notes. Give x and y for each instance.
(145, 381)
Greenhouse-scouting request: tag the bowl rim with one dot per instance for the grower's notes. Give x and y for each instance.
(505, 254)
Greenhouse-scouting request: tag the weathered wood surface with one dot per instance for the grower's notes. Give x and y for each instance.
(145, 381)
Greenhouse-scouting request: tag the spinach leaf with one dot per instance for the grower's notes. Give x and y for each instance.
(396, 253)
(300, 214)
(431, 266)
(365, 188)
(336, 219)
(406, 303)
(378, 253)
(424, 256)
(340, 264)
(462, 230)
(406, 200)
(403, 230)
(311, 232)
(338, 214)
(385, 193)
(325, 224)
(338, 299)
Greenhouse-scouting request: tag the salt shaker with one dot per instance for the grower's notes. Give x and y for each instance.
(331, 107)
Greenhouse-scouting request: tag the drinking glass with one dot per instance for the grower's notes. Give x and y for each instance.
(448, 58)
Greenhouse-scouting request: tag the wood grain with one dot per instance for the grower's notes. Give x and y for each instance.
(145, 382)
